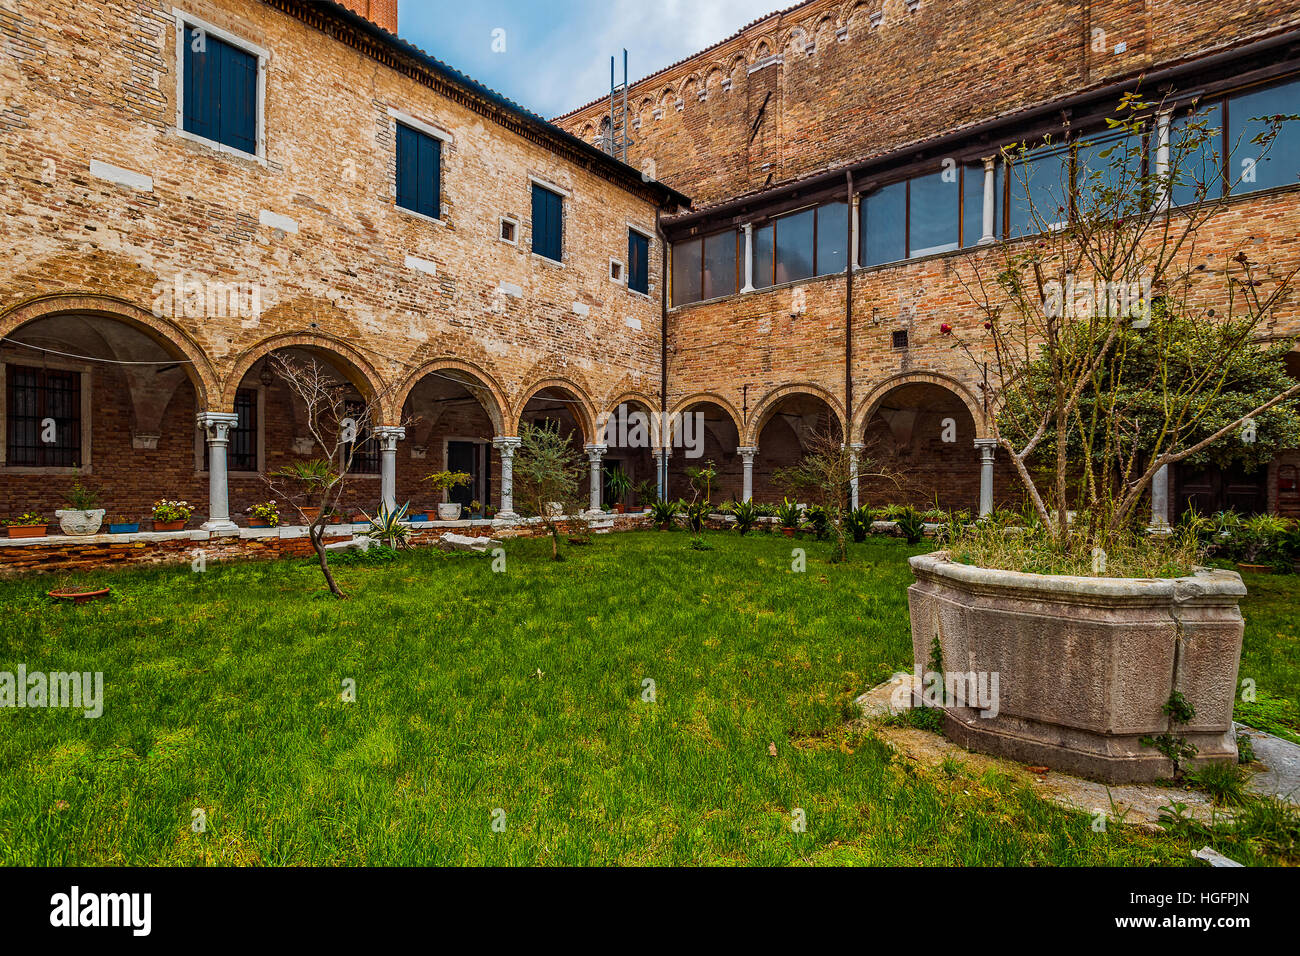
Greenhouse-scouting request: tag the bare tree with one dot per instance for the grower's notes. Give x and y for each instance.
(1113, 261)
(337, 422)
(547, 472)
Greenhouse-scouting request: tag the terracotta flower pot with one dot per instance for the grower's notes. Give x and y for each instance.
(311, 513)
(1255, 568)
(79, 597)
(788, 532)
(27, 531)
(169, 525)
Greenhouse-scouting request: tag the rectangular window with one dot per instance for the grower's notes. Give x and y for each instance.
(1108, 179)
(638, 262)
(832, 238)
(686, 271)
(1039, 186)
(933, 209)
(1263, 165)
(721, 256)
(764, 250)
(419, 172)
(548, 223)
(220, 90)
(883, 225)
(1196, 155)
(794, 246)
(242, 454)
(43, 417)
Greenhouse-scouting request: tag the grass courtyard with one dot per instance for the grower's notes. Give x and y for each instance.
(520, 698)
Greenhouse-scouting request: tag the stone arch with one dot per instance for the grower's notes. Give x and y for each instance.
(867, 408)
(484, 387)
(767, 407)
(169, 336)
(713, 81)
(687, 87)
(583, 408)
(710, 398)
(760, 48)
(354, 366)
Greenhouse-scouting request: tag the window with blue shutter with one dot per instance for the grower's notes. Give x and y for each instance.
(419, 172)
(548, 223)
(638, 262)
(220, 91)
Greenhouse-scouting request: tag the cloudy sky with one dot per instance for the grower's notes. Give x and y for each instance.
(557, 54)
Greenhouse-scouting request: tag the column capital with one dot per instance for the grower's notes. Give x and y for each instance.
(747, 451)
(989, 161)
(661, 452)
(986, 443)
(507, 445)
(389, 436)
(595, 451)
(217, 425)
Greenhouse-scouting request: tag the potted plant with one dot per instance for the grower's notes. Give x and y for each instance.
(476, 509)
(121, 524)
(444, 481)
(745, 513)
(26, 525)
(911, 526)
(171, 515)
(647, 493)
(81, 517)
(264, 515)
(618, 484)
(790, 516)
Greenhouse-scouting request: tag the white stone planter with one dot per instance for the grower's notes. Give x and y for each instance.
(554, 509)
(80, 522)
(449, 512)
(1084, 666)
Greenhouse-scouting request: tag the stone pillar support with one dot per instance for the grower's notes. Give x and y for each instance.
(747, 459)
(749, 257)
(1160, 499)
(216, 429)
(388, 436)
(661, 471)
(506, 446)
(988, 449)
(855, 453)
(990, 201)
(1162, 157)
(594, 454)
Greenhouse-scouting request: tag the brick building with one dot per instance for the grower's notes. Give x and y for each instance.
(827, 127)
(189, 190)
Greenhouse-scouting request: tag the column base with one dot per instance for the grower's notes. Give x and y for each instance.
(222, 526)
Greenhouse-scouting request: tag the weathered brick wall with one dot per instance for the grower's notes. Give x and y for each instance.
(846, 87)
(84, 81)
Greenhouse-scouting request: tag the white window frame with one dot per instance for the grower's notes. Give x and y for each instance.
(514, 223)
(184, 20)
(621, 279)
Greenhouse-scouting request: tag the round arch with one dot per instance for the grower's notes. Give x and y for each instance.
(354, 366)
(709, 398)
(169, 336)
(583, 408)
(867, 408)
(767, 407)
(495, 405)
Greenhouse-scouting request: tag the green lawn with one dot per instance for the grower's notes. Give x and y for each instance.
(520, 691)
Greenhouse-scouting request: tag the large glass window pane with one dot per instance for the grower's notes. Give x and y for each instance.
(883, 225)
(1258, 165)
(686, 272)
(1196, 155)
(1039, 186)
(794, 247)
(763, 257)
(832, 237)
(934, 207)
(1108, 175)
(719, 264)
(972, 229)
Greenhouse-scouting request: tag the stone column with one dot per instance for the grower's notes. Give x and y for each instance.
(1162, 156)
(855, 452)
(855, 254)
(747, 459)
(990, 201)
(388, 436)
(1160, 498)
(749, 257)
(594, 454)
(216, 429)
(506, 446)
(987, 448)
(661, 471)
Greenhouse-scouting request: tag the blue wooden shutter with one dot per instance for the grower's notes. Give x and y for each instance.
(419, 172)
(548, 223)
(638, 262)
(238, 99)
(202, 71)
(220, 92)
(408, 164)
